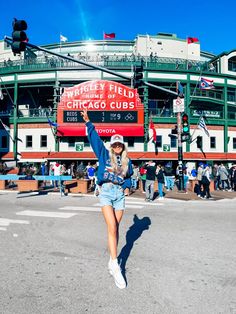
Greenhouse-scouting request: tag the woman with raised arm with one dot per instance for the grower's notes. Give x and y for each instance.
(113, 177)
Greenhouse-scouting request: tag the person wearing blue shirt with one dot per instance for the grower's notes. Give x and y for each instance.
(113, 177)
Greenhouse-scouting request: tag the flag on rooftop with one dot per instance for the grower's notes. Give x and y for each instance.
(63, 38)
(109, 36)
(202, 126)
(206, 83)
(191, 40)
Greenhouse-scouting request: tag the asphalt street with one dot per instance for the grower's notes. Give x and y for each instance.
(178, 256)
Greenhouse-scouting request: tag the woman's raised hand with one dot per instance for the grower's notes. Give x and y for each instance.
(84, 115)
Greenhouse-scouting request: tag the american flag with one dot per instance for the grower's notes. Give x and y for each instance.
(202, 126)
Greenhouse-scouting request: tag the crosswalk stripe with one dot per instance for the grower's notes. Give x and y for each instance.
(126, 206)
(90, 209)
(37, 213)
(7, 222)
(144, 203)
(135, 204)
(3, 229)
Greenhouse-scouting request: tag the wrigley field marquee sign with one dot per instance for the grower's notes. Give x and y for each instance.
(112, 107)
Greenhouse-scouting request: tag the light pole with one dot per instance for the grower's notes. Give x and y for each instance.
(178, 107)
(180, 153)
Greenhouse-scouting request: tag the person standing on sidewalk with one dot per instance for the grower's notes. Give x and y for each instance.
(169, 176)
(113, 177)
(206, 180)
(199, 178)
(160, 180)
(224, 177)
(150, 179)
(134, 178)
(142, 177)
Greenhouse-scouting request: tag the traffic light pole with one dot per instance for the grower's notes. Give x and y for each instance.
(103, 69)
(180, 153)
(96, 67)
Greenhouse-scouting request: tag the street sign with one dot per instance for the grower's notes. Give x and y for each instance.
(79, 147)
(166, 148)
(185, 137)
(178, 105)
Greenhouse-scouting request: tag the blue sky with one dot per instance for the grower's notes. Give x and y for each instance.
(212, 24)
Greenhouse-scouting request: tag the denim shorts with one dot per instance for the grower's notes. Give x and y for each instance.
(112, 195)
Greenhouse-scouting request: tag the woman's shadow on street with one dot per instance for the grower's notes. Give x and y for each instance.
(135, 231)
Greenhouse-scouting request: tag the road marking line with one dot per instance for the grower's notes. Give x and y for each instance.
(7, 222)
(37, 213)
(132, 204)
(143, 203)
(126, 206)
(89, 209)
(3, 229)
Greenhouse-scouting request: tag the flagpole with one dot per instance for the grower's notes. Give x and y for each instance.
(103, 48)
(146, 48)
(187, 53)
(8, 131)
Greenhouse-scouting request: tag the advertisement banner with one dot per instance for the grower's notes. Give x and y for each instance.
(112, 108)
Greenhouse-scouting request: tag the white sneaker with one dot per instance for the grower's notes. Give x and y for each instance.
(161, 198)
(114, 270)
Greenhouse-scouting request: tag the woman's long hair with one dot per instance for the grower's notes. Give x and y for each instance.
(124, 161)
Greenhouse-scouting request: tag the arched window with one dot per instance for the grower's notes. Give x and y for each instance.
(232, 64)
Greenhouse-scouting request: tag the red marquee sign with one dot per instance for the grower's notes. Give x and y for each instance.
(112, 107)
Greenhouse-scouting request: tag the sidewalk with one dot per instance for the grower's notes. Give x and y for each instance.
(175, 194)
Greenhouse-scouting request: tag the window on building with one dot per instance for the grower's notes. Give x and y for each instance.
(43, 141)
(212, 142)
(130, 141)
(86, 142)
(4, 142)
(159, 141)
(71, 142)
(173, 142)
(234, 142)
(29, 141)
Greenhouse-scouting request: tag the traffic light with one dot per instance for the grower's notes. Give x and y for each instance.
(19, 37)
(185, 124)
(138, 76)
(199, 142)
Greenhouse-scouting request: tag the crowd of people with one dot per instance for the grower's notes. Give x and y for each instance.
(144, 176)
(167, 178)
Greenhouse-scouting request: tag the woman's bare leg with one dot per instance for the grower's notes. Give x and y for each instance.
(111, 222)
(119, 215)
